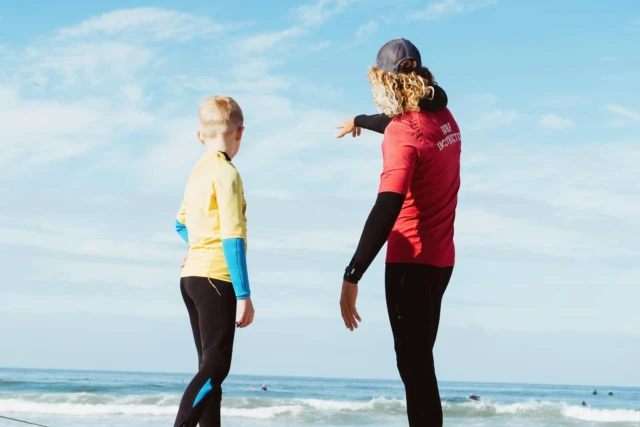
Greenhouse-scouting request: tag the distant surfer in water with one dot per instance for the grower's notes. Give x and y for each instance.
(474, 397)
(264, 387)
(414, 214)
(595, 392)
(584, 403)
(610, 393)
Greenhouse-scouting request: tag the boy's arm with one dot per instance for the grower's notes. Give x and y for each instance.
(181, 228)
(229, 192)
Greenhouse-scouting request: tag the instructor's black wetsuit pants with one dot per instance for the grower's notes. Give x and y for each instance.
(414, 297)
(213, 315)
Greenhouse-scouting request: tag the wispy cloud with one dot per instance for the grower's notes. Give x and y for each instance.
(479, 101)
(103, 64)
(260, 42)
(633, 25)
(4, 52)
(551, 121)
(624, 112)
(317, 240)
(446, 8)
(494, 118)
(257, 74)
(307, 17)
(486, 111)
(92, 63)
(275, 193)
(479, 228)
(507, 201)
(70, 128)
(117, 274)
(319, 12)
(67, 239)
(116, 45)
(366, 30)
(580, 184)
(615, 123)
(562, 101)
(149, 22)
(132, 94)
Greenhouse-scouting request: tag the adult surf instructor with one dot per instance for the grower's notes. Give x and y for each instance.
(414, 213)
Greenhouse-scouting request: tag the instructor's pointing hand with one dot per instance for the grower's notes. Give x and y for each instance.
(348, 127)
(348, 305)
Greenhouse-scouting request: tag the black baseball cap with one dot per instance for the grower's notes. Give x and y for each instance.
(391, 55)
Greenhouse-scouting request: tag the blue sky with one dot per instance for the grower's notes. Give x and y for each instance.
(97, 137)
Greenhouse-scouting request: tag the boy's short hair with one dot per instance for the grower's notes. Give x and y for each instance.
(219, 116)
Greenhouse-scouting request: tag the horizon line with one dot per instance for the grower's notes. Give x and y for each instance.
(108, 371)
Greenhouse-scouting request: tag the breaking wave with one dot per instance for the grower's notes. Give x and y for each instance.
(165, 405)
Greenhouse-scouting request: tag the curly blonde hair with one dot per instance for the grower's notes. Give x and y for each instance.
(398, 93)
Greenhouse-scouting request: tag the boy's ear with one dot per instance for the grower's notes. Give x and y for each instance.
(239, 133)
(200, 138)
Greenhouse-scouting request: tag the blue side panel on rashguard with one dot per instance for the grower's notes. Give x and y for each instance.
(182, 231)
(236, 257)
(206, 388)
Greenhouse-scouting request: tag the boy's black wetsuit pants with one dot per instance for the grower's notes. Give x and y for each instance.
(212, 311)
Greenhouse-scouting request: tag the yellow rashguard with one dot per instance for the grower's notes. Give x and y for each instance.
(213, 209)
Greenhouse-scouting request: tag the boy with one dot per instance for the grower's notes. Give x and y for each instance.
(214, 275)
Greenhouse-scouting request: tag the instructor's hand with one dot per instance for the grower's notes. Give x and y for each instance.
(245, 313)
(348, 127)
(348, 305)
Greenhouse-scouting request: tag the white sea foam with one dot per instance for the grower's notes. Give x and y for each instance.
(31, 407)
(263, 413)
(602, 415)
(335, 405)
(540, 409)
(80, 404)
(166, 405)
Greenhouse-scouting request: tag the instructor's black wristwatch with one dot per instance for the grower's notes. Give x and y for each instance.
(351, 273)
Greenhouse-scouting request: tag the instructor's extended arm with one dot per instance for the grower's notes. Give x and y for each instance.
(379, 122)
(376, 122)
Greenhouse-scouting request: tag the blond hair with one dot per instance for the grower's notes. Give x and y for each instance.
(219, 116)
(398, 93)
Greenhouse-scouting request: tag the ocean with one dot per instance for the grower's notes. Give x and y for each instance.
(58, 398)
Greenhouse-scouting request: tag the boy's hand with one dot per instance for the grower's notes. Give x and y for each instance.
(184, 260)
(348, 127)
(245, 313)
